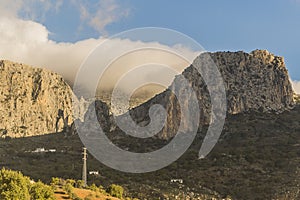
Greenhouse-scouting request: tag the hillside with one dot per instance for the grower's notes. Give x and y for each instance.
(257, 157)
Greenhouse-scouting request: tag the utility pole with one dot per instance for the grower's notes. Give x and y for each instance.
(84, 176)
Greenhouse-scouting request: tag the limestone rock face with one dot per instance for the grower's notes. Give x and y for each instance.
(98, 112)
(33, 101)
(256, 81)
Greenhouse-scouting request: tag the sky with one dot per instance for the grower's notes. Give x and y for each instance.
(59, 34)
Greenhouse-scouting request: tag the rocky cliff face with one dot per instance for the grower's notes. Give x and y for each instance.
(256, 81)
(36, 101)
(33, 101)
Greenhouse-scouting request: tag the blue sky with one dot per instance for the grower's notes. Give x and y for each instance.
(217, 25)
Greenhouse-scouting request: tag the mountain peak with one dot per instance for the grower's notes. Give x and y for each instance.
(256, 81)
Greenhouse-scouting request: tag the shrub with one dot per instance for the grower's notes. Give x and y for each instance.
(40, 191)
(102, 190)
(94, 188)
(55, 181)
(115, 190)
(79, 184)
(71, 181)
(68, 188)
(13, 185)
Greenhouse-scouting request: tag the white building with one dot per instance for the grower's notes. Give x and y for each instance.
(177, 181)
(93, 172)
(39, 150)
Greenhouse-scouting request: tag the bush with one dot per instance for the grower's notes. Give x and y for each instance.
(94, 188)
(55, 181)
(102, 190)
(13, 185)
(79, 184)
(68, 188)
(71, 181)
(40, 191)
(115, 190)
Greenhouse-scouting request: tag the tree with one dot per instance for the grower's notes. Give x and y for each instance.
(40, 191)
(116, 190)
(13, 185)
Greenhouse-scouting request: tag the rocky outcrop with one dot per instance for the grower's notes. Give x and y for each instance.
(101, 110)
(36, 101)
(33, 101)
(256, 81)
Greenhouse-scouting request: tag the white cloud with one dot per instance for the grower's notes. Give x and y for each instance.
(29, 9)
(97, 14)
(10, 8)
(103, 12)
(27, 42)
(296, 86)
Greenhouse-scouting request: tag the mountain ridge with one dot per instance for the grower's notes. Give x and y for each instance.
(253, 81)
(257, 80)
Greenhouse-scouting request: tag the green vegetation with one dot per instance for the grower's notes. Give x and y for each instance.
(261, 150)
(40, 191)
(55, 181)
(94, 188)
(79, 184)
(71, 182)
(116, 190)
(13, 185)
(68, 188)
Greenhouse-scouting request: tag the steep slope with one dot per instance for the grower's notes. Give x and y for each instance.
(255, 81)
(33, 101)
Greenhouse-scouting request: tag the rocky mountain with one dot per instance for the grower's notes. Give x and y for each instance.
(33, 101)
(256, 157)
(256, 81)
(37, 101)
